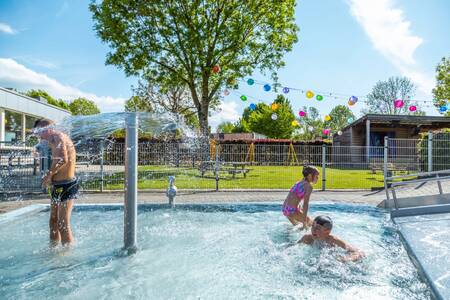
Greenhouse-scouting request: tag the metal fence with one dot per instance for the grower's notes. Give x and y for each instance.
(100, 165)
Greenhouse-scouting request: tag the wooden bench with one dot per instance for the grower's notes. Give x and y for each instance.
(238, 171)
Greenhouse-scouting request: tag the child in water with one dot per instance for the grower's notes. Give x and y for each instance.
(321, 232)
(300, 191)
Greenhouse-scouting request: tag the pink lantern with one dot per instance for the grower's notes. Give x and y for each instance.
(216, 69)
(412, 108)
(301, 113)
(398, 103)
(326, 131)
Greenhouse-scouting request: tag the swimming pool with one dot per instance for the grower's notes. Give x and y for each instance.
(206, 252)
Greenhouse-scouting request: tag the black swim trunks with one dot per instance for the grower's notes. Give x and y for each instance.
(64, 190)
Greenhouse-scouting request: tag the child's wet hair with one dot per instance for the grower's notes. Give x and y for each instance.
(324, 221)
(309, 170)
(43, 123)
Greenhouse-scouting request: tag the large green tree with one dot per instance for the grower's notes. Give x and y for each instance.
(261, 119)
(381, 99)
(203, 45)
(340, 115)
(442, 90)
(50, 100)
(225, 127)
(310, 126)
(136, 103)
(83, 106)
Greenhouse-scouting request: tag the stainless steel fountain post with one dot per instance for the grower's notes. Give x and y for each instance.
(131, 168)
(171, 191)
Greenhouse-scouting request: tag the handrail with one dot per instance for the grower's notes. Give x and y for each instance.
(419, 174)
(419, 181)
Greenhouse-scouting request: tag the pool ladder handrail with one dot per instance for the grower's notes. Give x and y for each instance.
(390, 185)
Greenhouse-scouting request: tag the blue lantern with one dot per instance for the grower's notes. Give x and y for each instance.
(443, 109)
(285, 90)
(250, 81)
(267, 87)
(252, 106)
(350, 120)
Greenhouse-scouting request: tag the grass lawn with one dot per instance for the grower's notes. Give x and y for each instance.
(260, 177)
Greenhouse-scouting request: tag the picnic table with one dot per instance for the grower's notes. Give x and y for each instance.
(228, 167)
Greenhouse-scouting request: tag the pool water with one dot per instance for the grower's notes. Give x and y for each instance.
(206, 252)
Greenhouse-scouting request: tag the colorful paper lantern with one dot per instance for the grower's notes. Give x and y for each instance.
(339, 132)
(350, 120)
(216, 69)
(244, 98)
(294, 123)
(252, 106)
(310, 128)
(285, 90)
(274, 106)
(443, 108)
(274, 117)
(326, 131)
(226, 92)
(399, 103)
(353, 99)
(412, 108)
(309, 94)
(327, 118)
(319, 97)
(301, 113)
(351, 103)
(267, 87)
(250, 81)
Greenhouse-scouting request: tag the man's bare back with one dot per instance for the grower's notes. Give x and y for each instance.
(63, 152)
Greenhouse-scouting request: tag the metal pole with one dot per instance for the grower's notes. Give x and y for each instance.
(385, 170)
(324, 152)
(430, 151)
(131, 168)
(217, 168)
(102, 175)
(368, 140)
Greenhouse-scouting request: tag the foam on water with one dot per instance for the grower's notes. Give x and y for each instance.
(212, 252)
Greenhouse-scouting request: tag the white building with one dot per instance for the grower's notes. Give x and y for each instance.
(18, 114)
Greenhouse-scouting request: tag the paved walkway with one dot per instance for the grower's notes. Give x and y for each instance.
(366, 197)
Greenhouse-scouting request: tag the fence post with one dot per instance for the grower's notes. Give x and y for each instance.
(102, 178)
(385, 168)
(430, 151)
(324, 153)
(217, 167)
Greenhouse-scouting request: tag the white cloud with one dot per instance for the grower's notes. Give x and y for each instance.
(5, 28)
(390, 34)
(15, 75)
(228, 112)
(30, 60)
(63, 9)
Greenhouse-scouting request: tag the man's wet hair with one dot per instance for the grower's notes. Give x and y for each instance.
(42, 123)
(309, 170)
(324, 221)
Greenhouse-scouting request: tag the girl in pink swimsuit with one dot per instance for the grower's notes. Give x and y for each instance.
(300, 191)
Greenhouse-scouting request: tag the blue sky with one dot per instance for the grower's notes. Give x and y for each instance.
(345, 47)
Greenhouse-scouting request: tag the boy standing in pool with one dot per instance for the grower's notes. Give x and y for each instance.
(321, 232)
(300, 191)
(61, 178)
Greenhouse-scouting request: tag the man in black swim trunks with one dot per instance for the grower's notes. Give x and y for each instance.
(61, 178)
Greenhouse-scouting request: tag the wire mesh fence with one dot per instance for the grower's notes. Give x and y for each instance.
(220, 166)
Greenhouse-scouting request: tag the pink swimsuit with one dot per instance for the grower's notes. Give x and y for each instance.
(299, 191)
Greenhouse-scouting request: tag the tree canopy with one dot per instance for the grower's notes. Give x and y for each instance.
(442, 90)
(203, 45)
(381, 99)
(83, 106)
(340, 115)
(50, 100)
